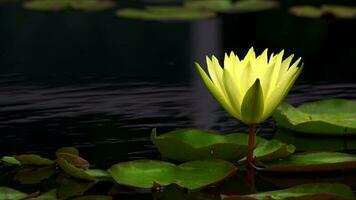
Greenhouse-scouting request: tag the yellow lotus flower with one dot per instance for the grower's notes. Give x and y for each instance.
(250, 89)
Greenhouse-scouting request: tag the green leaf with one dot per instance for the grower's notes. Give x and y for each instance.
(228, 6)
(306, 11)
(50, 195)
(33, 175)
(100, 175)
(32, 159)
(191, 175)
(311, 162)
(174, 192)
(325, 117)
(338, 11)
(10, 160)
(74, 160)
(11, 194)
(74, 171)
(306, 191)
(164, 13)
(253, 104)
(92, 5)
(94, 197)
(72, 187)
(46, 5)
(304, 142)
(70, 150)
(196, 144)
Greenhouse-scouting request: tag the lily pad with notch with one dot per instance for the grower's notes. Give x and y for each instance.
(195, 144)
(324, 117)
(310, 162)
(191, 175)
(306, 191)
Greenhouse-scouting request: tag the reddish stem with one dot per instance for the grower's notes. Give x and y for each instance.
(251, 143)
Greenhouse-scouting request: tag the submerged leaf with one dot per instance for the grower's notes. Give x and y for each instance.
(325, 117)
(33, 175)
(191, 175)
(72, 187)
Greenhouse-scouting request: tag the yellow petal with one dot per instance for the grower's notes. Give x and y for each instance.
(217, 94)
(233, 92)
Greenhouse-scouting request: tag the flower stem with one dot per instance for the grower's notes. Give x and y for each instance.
(251, 143)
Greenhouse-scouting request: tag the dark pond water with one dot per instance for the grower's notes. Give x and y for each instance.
(101, 83)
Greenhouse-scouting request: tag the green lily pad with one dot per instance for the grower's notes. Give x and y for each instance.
(70, 150)
(58, 5)
(10, 160)
(306, 191)
(303, 142)
(98, 174)
(164, 13)
(195, 144)
(71, 188)
(338, 11)
(32, 159)
(312, 162)
(33, 175)
(306, 11)
(11, 194)
(229, 6)
(74, 171)
(326, 117)
(191, 175)
(52, 194)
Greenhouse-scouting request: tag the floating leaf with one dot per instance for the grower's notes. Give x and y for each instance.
(58, 5)
(92, 5)
(304, 142)
(94, 197)
(32, 159)
(327, 117)
(33, 175)
(174, 192)
(164, 13)
(100, 175)
(338, 11)
(11, 194)
(228, 6)
(46, 5)
(191, 175)
(74, 171)
(70, 150)
(74, 160)
(307, 191)
(71, 188)
(10, 160)
(198, 144)
(313, 162)
(306, 11)
(50, 195)
(345, 12)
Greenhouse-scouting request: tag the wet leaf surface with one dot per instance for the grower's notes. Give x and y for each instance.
(191, 175)
(324, 117)
(198, 144)
(312, 162)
